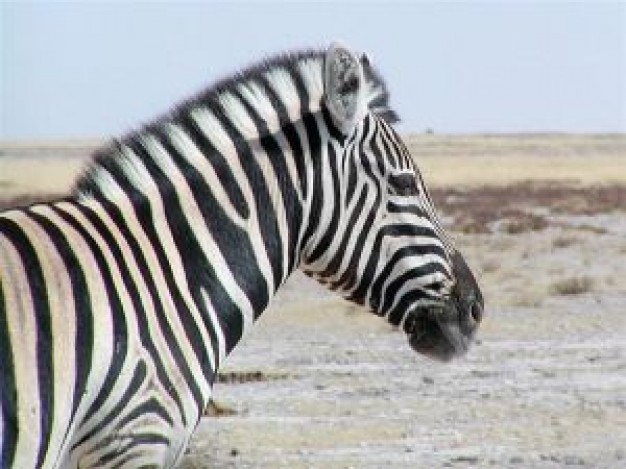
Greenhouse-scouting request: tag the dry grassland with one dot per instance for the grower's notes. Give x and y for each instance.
(41, 168)
(445, 161)
(476, 160)
(541, 220)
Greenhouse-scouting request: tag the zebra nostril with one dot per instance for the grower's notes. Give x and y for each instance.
(410, 324)
(374, 303)
(476, 311)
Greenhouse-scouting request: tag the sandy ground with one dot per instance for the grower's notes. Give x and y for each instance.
(320, 384)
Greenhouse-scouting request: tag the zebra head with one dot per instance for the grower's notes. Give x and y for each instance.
(383, 245)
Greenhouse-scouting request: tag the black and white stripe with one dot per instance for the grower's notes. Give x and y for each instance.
(118, 305)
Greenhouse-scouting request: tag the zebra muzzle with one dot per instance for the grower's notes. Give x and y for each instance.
(442, 332)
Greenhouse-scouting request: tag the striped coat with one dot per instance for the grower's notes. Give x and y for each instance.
(118, 304)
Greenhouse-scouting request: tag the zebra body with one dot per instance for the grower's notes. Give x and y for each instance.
(118, 304)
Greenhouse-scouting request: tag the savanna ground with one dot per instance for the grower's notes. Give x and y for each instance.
(318, 383)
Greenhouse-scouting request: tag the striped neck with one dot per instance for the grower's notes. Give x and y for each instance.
(229, 188)
(224, 187)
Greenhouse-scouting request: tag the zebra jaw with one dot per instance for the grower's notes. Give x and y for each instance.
(439, 330)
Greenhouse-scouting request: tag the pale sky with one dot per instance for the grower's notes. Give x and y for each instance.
(97, 69)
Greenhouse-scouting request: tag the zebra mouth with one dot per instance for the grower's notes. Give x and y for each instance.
(438, 332)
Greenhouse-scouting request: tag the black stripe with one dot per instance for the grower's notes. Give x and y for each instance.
(233, 242)
(267, 219)
(120, 332)
(397, 283)
(44, 344)
(177, 223)
(220, 165)
(317, 199)
(289, 131)
(384, 140)
(293, 209)
(129, 286)
(381, 155)
(148, 281)
(334, 131)
(374, 254)
(406, 252)
(198, 270)
(127, 456)
(83, 314)
(8, 391)
(125, 451)
(333, 266)
(139, 310)
(303, 94)
(314, 140)
(395, 146)
(152, 406)
(412, 209)
(353, 174)
(326, 239)
(407, 300)
(403, 184)
(371, 142)
(348, 278)
(139, 376)
(278, 157)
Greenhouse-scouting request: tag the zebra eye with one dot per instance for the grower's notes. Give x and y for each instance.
(403, 184)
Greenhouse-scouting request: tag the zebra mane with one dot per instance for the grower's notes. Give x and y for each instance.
(297, 63)
(306, 66)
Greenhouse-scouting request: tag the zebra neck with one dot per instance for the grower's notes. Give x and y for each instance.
(225, 189)
(224, 217)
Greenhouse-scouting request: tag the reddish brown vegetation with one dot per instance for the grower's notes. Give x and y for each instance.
(523, 206)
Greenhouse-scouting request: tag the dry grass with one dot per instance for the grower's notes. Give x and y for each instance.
(27, 174)
(516, 221)
(475, 160)
(572, 286)
(213, 409)
(564, 241)
(25, 200)
(254, 376)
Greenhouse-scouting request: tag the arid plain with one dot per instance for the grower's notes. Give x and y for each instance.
(320, 384)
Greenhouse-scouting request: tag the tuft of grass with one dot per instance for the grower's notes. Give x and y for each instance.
(592, 229)
(564, 241)
(491, 266)
(254, 376)
(518, 221)
(527, 299)
(213, 409)
(572, 286)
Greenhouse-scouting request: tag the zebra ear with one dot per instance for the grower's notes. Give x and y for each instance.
(343, 85)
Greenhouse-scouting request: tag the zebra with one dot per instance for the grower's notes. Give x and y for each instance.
(119, 302)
